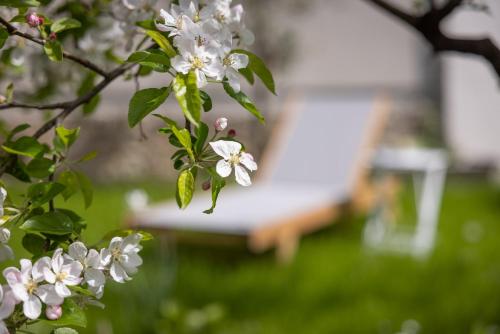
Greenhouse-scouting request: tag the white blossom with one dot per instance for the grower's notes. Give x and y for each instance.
(232, 62)
(122, 258)
(25, 285)
(200, 59)
(62, 273)
(232, 156)
(7, 305)
(92, 266)
(53, 312)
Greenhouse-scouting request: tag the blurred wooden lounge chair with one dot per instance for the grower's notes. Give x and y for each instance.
(315, 164)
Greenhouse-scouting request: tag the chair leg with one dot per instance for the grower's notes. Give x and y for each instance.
(286, 247)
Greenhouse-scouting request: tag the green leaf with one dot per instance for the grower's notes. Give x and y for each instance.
(245, 102)
(78, 222)
(72, 315)
(85, 187)
(67, 136)
(162, 42)
(207, 101)
(53, 50)
(217, 184)
(89, 156)
(258, 66)
(91, 106)
(54, 223)
(19, 3)
(27, 146)
(146, 24)
(4, 35)
(144, 102)
(185, 188)
(188, 95)
(76, 181)
(34, 243)
(64, 330)
(17, 129)
(64, 24)
(9, 93)
(41, 193)
(40, 167)
(156, 59)
(248, 74)
(202, 134)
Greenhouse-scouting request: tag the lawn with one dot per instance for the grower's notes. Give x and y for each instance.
(334, 285)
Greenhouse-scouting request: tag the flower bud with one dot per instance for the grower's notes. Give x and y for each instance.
(53, 36)
(53, 312)
(206, 185)
(34, 20)
(3, 99)
(4, 235)
(220, 124)
(231, 133)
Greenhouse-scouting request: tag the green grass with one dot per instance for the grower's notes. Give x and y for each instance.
(334, 285)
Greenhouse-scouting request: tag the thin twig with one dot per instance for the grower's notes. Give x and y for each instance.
(11, 105)
(84, 62)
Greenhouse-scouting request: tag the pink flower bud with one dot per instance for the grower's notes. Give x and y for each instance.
(52, 36)
(231, 133)
(206, 185)
(53, 312)
(34, 20)
(220, 124)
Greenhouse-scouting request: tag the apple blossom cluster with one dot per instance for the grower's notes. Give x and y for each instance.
(206, 35)
(49, 280)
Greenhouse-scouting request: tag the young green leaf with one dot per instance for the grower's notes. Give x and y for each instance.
(26, 146)
(64, 24)
(33, 243)
(162, 42)
(207, 101)
(86, 188)
(202, 134)
(4, 35)
(67, 136)
(17, 129)
(156, 59)
(40, 167)
(53, 50)
(41, 193)
(185, 188)
(54, 223)
(76, 181)
(188, 95)
(244, 101)
(19, 3)
(247, 74)
(217, 184)
(144, 102)
(258, 66)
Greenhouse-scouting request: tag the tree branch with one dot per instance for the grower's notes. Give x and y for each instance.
(429, 26)
(410, 19)
(34, 106)
(84, 62)
(83, 99)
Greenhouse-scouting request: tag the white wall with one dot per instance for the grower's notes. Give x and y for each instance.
(472, 91)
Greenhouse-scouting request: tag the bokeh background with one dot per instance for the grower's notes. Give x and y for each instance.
(334, 284)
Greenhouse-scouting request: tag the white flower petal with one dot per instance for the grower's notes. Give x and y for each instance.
(57, 260)
(6, 253)
(78, 251)
(39, 268)
(32, 308)
(223, 168)
(131, 243)
(242, 176)
(118, 273)
(247, 160)
(49, 275)
(239, 61)
(62, 290)
(48, 295)
(93, 259)
(181, 65)
(94, 277)
(226, 148)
